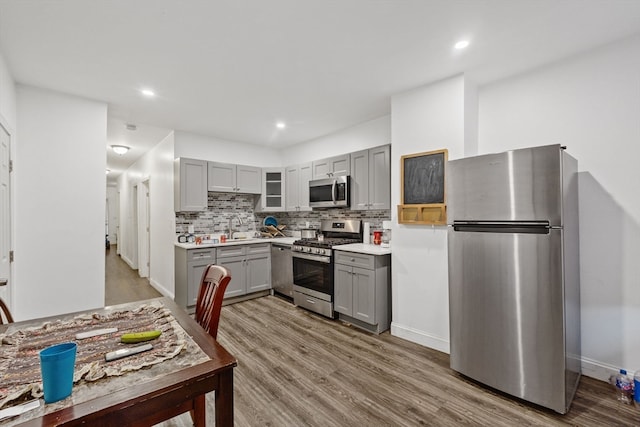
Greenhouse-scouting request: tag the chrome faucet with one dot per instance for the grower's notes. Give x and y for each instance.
(231, 230)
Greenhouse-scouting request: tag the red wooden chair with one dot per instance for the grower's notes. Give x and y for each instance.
(215, 279)
(213, 284)
(5, 314)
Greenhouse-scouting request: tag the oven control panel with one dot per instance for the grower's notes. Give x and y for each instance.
(311, 250)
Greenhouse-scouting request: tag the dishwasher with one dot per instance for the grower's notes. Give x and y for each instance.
(282, 270)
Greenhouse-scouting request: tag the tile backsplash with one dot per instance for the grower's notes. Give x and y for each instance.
(225, 206)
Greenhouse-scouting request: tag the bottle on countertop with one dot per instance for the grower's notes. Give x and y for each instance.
(624, 387)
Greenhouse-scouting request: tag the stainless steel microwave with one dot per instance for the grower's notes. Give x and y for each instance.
(330, 192)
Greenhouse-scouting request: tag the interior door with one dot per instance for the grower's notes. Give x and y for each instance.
(5, 219)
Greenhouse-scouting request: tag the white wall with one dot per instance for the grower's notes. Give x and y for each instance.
(424, 119)
(201, 147)
(359, 137)
(8, 121)
(60, 191)
(156, 166)
(591, 104)
(7, 96)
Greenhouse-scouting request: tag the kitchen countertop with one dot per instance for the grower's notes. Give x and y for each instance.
(282, 240)
(364, 248)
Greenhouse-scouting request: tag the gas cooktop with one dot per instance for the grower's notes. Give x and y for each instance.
(326, 243)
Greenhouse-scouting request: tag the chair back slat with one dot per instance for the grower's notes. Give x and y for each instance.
(5, 314)
(213, 284)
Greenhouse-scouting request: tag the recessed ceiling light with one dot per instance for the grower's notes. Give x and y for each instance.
(120, 149)
(148, 93)
(280, 125)
(462, 44)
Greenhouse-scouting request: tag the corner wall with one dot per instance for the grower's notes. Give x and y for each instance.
(157, 167)
(60, 193)
(8, 122)
(591, 104)
(372, 133)
(218, 150)
(424, 119)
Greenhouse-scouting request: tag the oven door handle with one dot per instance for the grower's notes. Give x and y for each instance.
(318, 258)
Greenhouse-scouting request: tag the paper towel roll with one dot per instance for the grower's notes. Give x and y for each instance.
(366, 233)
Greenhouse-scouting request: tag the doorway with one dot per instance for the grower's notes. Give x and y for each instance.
(144, 235)
(5, 217)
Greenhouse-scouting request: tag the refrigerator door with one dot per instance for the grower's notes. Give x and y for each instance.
(506, 311)
(518, 185)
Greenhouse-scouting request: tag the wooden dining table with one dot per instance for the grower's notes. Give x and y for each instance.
(153, 398)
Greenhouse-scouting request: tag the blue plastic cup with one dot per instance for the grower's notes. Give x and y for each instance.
(57, 364)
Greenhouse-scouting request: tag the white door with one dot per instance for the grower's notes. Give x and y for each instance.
(5, 219)
(143, 231)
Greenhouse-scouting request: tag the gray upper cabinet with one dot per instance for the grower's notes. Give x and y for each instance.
(230, 178)
(190, 185)
(249, 179)
(332, 166)
(371, 178)
(297, 187)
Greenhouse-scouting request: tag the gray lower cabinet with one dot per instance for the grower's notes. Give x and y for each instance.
(189, 266)
(250, 267)
(363, 290)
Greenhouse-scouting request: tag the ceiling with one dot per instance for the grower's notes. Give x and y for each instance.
(231, 69)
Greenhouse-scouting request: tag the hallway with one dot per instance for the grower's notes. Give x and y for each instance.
(122, 284)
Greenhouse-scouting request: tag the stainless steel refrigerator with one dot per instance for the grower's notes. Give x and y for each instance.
(514, 278)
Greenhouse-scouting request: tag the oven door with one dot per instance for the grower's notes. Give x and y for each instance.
(313, 273)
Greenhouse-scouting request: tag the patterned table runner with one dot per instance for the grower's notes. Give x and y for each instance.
(20, 377)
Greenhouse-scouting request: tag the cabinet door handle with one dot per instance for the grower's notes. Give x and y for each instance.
(311, 301)
(4, 282)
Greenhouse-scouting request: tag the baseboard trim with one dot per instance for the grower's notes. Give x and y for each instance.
(419, 337)
(158, 287)
(129, 262)
(598, 370)
(590, 368)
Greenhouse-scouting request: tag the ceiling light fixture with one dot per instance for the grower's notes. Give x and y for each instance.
(461, 44)
(148, 93)
(280, 125)
(120, 149)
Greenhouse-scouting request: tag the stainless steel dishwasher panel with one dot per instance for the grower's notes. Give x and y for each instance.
(282, 269)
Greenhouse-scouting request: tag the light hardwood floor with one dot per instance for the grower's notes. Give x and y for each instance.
(296, 368)
(122, 284)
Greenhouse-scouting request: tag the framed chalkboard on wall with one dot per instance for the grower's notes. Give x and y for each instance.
(423, 188)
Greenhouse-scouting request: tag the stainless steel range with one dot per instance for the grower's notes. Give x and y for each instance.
(313, 264)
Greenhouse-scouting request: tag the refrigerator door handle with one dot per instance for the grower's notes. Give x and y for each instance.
(530, 227)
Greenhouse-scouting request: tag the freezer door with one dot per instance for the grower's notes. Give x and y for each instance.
(518, 185)
(506, 312)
